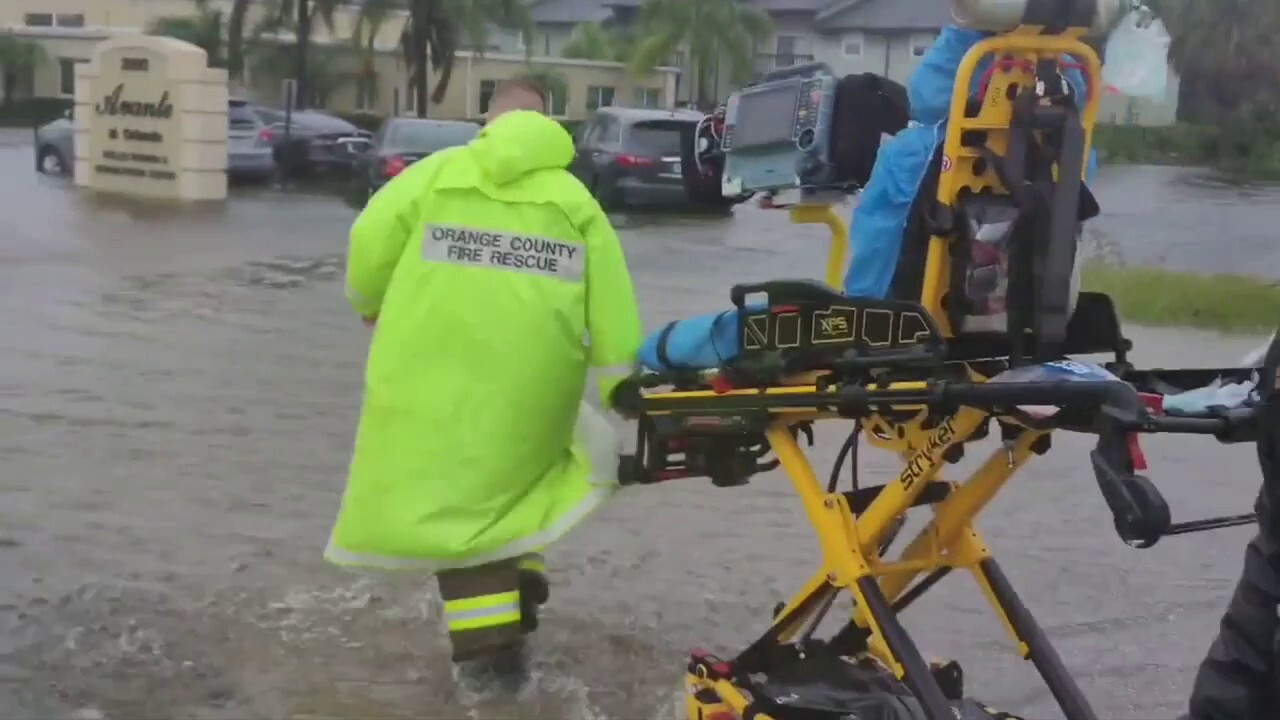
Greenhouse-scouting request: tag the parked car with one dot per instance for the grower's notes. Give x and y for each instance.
(631, 157)
(400, 142)
(55, 146)
(316, 141)
(249, 154)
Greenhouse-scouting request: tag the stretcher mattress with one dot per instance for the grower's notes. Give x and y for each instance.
(696, 343)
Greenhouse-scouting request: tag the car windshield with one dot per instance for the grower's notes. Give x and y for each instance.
(321, 122)
(269, 116)
(655, 137)
(239, 117)
(429, 136)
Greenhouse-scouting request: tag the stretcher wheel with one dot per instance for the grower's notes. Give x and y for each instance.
(1145, 528)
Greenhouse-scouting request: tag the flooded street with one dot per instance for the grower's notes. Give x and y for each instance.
(178, 395)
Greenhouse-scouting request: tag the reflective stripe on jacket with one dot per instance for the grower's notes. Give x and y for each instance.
(496, 281)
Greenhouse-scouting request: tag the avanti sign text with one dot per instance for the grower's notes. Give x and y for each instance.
(115, 104)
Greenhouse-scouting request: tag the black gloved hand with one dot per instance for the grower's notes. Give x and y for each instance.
(625, 398)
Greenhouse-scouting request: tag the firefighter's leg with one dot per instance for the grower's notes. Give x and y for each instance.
(482, 610)
(535, 590)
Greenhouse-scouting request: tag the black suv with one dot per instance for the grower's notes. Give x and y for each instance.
(632, 157)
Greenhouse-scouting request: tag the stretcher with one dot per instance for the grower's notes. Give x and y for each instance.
(905, 375)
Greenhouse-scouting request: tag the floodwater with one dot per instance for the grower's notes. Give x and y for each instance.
(177, 399)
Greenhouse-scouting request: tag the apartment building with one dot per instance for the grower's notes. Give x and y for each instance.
(887, 37)
(68, 30)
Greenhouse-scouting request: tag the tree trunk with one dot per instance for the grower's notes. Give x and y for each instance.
(235, 39)
(421, 62)
(302, 39)
(442, 53)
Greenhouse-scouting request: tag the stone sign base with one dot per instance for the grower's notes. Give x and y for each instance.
(151, 120)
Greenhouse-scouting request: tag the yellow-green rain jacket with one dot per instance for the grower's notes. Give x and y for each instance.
(496, 281)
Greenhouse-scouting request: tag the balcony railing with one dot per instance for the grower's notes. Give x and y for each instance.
(768, 63)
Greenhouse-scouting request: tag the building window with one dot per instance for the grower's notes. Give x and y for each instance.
(70, 20)
(648, 97)
(785, 50)
(557, 103)
(852, 46)
(486, 94)
(599, 96)
(404, 102)
(920, 45)
(546, 44)
(67, 75)
(367, 92)
(38, 19)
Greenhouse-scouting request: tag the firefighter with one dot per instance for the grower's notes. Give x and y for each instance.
(493, 282)
(1240, 675)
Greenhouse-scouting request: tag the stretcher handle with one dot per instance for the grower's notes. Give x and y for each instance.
(738, 293)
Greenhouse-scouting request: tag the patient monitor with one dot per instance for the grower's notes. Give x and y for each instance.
(777, 132)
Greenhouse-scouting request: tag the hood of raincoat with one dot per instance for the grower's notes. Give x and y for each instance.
(518, 143)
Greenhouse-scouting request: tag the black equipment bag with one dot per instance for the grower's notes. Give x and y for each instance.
(867, 107)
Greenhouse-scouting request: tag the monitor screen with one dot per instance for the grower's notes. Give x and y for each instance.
(766, 117)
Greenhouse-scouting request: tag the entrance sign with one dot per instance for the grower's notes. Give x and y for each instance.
(151, 120)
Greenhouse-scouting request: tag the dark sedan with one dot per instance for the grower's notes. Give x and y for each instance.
(317, 142)
(400, 142)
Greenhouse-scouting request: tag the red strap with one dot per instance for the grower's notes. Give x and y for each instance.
(1153, 401)
(1135, 453)
(721, 384)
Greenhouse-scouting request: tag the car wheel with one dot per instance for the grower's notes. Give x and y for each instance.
(51, 162)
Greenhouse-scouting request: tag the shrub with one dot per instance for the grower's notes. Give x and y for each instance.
(28, 112)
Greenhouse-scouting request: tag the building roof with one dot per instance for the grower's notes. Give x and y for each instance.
(781, 6)
(885, 15)
(569, 12)
(830, 14)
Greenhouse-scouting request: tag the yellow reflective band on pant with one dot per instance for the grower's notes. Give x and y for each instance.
(533, 562)
(482, 611)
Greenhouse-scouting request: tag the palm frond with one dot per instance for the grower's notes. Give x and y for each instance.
(16, 52)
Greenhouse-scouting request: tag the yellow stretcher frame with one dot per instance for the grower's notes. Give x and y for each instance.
(849, 542)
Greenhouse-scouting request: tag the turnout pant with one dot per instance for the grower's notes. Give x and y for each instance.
(1240, 677)
(490, 608)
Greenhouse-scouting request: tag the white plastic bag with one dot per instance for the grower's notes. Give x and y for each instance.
(597, 438)
(1137, 57)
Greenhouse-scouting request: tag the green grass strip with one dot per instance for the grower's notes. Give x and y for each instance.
(1154, 296)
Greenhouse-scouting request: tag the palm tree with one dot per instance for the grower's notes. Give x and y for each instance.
(1225, 54)
(553, 83)
(327, 70)
(300, 17)
(432, 37)
(16, 55)
(593, 41)
(235, 38)
(712, 30)
(204, 30)
(373, 15)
